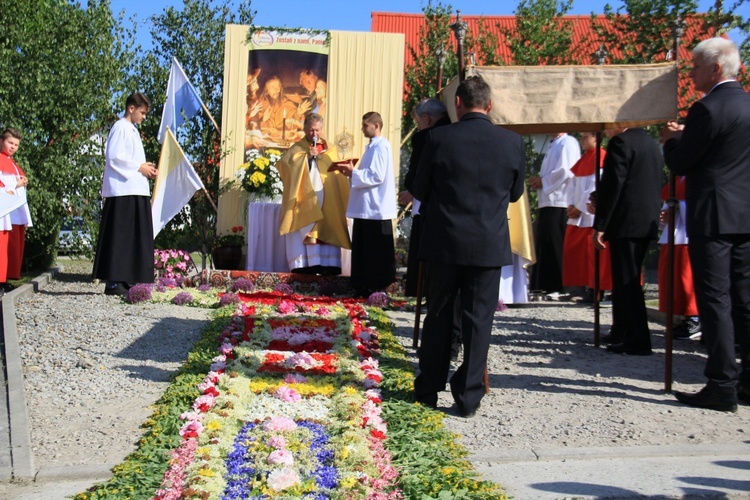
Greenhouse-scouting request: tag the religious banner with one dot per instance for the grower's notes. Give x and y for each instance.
(286, 80)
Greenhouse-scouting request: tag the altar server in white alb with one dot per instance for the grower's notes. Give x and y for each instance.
(549, 228)
(125, 249)
(372, 205)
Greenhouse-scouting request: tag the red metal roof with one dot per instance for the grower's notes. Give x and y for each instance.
(584, 40)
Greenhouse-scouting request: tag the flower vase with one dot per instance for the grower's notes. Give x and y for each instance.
(260, 198)
(227, 258)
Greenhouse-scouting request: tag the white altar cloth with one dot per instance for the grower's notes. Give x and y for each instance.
(266, 248)
(513, 282)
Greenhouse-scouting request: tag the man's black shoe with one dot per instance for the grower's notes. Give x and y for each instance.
(743, 394)
(427, 400)
(118, 289)
(7, 287)
(710, 399)
(455, 351)
(631, 351)
(689, 329)
(611, 338)
(468, 414)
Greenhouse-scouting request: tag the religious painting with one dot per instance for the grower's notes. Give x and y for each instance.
(286, 80)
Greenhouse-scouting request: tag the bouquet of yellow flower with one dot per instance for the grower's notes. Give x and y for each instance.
(259, 175)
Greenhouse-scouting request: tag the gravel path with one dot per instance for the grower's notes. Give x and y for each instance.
(94, 364)
(551, 388)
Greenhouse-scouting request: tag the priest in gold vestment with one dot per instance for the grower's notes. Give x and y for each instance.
(313, 206)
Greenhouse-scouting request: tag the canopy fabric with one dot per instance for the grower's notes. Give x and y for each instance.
(548, 99)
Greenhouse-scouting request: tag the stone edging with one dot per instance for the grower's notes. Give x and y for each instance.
(21, 467)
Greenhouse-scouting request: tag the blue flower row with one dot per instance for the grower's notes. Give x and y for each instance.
(241, 464)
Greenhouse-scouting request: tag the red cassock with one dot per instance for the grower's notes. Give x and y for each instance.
(683, 291)
(578, 248)
(4, 236)
(16, 240)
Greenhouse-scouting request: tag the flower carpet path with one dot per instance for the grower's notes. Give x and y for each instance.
(290, 406)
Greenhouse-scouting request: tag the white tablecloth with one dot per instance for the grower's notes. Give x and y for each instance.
(266, 248)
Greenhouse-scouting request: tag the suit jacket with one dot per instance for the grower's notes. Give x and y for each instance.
(468, 173)
(417, 144)
(627, 201)
(714, 156)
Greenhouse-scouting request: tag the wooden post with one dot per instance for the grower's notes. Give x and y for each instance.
(597, 255)
(678, 28)
(440, 58)
(601, 58)
(459, 29)
(418, 308)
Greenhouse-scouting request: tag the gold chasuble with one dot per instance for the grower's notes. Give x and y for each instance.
(299, 203)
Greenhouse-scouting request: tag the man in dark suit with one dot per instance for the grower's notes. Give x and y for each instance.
(428, 113)
(468, 173)
(627, 217)
(712, 151)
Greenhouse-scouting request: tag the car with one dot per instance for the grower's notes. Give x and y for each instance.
(74, 238)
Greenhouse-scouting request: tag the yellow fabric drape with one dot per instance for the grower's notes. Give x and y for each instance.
(521, 233)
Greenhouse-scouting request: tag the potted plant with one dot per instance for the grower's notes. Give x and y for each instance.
(227, 249)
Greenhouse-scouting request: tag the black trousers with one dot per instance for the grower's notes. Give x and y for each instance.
(373, 255)
(628, 303)
(477, 288)
(125, 248)
(721, 275)
(549, 238)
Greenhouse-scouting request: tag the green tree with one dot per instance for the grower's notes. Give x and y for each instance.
(541, 35)
(421, 77)
(195, 36)
(641, 30)
(62, 63)
(437, 35)
(721, 21)
(485, 44)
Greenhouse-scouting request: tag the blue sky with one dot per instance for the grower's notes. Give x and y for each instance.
(354, 15)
